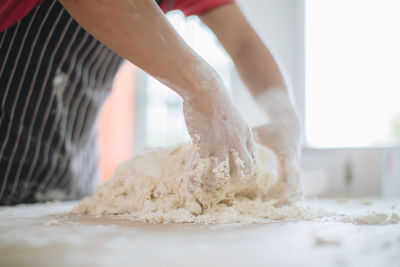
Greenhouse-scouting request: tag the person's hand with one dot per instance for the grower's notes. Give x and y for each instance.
(282, 135)
(218, 130)
(283, 139)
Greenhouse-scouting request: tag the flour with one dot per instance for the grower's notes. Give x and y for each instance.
(52, 223)
(375, 218)
(153, 187)
(320, 241)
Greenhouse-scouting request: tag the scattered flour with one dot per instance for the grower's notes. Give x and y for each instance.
(395, 218)
(320, 241)
(373, 218)
(153, 187)
(365, 202)
(52, 223)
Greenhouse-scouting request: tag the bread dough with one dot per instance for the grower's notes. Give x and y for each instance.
(153, 187)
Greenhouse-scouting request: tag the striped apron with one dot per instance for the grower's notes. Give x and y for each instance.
(54, 76)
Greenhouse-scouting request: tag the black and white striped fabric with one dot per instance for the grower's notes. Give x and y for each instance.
(54, 77)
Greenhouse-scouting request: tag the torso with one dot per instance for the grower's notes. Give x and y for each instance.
(53, 80)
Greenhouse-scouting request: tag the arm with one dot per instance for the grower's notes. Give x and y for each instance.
(259, 71)
(253, 60)
(138, 31)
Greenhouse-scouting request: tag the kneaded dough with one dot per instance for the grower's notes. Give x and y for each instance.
(153, 187)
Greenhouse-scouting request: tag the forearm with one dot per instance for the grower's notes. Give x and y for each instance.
(138, 31)
(260, 72)
(252, 59)
(278, 107)
(257, 67)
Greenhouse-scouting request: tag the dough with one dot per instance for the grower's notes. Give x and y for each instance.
(153, 187)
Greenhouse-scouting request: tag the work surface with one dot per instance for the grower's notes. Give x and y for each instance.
(46, 235)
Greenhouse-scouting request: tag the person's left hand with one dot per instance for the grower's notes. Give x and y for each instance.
(283, 138)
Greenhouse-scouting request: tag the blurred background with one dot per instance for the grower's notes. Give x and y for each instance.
(341, 59)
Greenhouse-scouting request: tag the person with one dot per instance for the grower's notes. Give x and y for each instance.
(58, 59)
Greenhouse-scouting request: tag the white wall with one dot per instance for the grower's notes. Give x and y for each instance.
(342, 172)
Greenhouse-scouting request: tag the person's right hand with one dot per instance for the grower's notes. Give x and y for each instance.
(218, 130)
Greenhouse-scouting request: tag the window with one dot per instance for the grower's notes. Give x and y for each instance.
(352, 73)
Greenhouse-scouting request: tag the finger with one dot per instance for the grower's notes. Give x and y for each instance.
(194, 161)
(251, 146)
(248, 163)
(256, 134)
(292, 173)
(195, 139)
(243, 160)
(203, 150)
(201, 147)
(220, 153)
(249, 154)
(209, 179)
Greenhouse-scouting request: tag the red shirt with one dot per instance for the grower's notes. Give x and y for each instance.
(11, 11)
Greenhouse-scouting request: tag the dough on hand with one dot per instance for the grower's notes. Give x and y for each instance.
(153, 188)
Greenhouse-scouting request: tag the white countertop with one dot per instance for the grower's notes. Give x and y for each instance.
(46, 235)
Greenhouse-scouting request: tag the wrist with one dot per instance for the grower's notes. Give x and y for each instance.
(198, 79)
(210, 100)
(204, 87)
(280, 111)
(277, 105)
